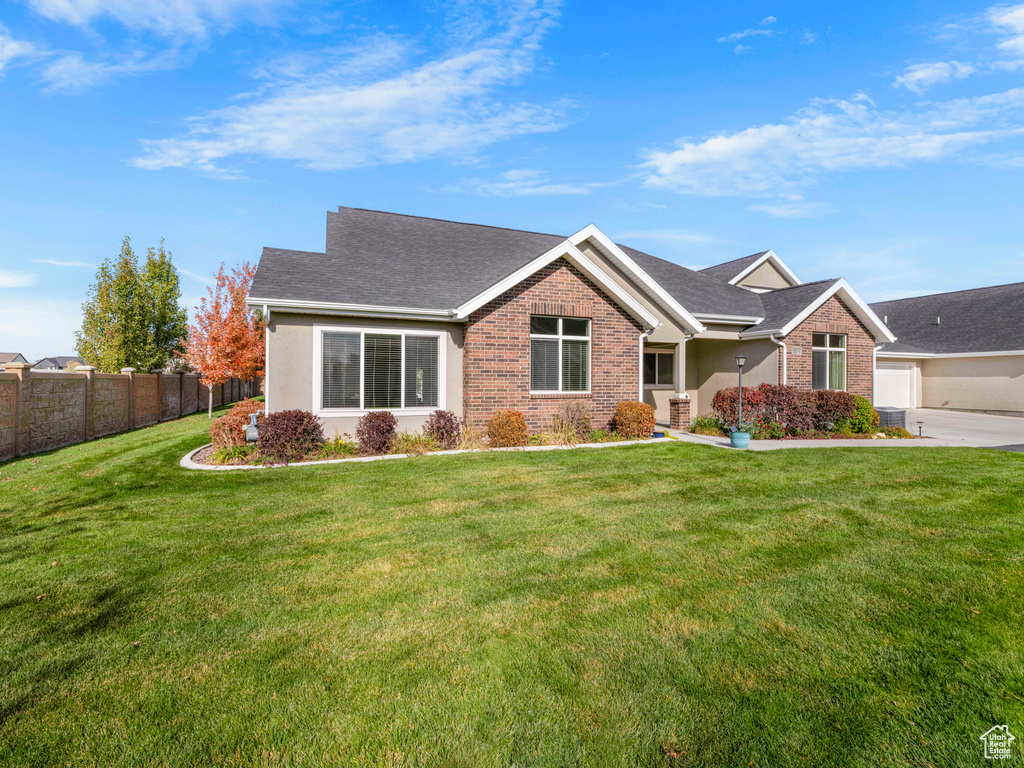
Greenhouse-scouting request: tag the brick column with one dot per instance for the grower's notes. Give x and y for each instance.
(90, 376)
(21, 398)
(679, 413)
(130, 373)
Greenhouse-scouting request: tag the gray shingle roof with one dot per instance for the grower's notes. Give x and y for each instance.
(696, 291)
(783, 305)
(730, 269)
(10, 357)
(977, 320)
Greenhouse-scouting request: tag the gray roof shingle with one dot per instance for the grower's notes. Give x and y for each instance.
(728, 270)
(783, 305)
(977, 320)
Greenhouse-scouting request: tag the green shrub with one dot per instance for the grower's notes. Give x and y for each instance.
(602, 436)
(708, 424)
(507, 429)
(287, 436)
(896, 432)
(233, 454)
(766, 430)
(634, 420)
(864, 419)
(339, 448)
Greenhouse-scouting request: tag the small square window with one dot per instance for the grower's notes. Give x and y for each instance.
(574, 326)
(818, 340)
(836, 340)
(547, 326)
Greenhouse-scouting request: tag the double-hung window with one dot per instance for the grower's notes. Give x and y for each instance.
(659, 369)
(559, 354)
(370, 370)
(828, 361)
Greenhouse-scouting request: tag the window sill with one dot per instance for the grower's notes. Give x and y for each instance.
(336, 413)
(557, 395)
(660, 386)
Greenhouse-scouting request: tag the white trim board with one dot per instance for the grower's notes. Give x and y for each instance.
(778, 263)
(932, 355)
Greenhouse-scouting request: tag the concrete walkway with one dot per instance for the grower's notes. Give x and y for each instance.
(941, 429)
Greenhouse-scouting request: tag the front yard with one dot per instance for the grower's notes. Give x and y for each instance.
(661, 605)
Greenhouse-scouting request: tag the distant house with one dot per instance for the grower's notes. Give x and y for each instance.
(58, 363)
(11, 357)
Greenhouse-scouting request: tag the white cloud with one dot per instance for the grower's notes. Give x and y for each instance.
(747, 33)
(174, 18)
(669, 235)
(11, 49)
(204, 279)
(58, 263)
(794, 208)
(71, 72)
(334, 119)
(16, 280)
(523, 183)
(920, 77)
(741, 49)
(806, 37)
(1009, 19)
(768, 20)
(829, 136)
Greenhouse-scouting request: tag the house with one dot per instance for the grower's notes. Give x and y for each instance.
(58, 363)
(11, 357)
(412, 314)
(962, 350)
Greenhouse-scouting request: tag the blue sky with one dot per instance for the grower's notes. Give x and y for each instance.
(883, 142)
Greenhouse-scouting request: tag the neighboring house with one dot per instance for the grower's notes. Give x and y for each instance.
(412, 314)
(962, 350)
(58, 363)
(11, 357)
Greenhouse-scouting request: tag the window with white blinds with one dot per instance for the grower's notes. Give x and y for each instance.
(379, 371)
(559, 354)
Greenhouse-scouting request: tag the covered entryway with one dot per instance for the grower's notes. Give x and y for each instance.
(894, 384)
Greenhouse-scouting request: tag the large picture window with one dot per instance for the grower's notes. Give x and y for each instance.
(659, 369)
(559, 354)
(379, 371)
(828, 361)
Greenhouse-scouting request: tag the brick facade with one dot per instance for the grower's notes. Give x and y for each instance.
(832, 317)
(496, 351)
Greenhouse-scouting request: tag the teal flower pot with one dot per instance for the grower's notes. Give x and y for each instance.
(740, 439)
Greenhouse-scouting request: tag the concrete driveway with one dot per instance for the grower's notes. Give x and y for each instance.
(969, 429)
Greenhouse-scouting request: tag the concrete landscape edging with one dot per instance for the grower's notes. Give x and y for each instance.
(187, 463)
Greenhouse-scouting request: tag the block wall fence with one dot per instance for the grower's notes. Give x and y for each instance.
(42, 410)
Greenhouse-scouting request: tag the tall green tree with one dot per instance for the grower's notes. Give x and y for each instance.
(132, 317)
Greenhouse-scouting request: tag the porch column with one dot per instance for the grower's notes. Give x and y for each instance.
(679, 403)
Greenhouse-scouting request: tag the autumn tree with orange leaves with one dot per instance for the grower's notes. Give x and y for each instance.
(226, 339)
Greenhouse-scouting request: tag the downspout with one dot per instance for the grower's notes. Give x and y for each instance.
(266, 360)
(782, 351)
(640, 365)
(874, 367)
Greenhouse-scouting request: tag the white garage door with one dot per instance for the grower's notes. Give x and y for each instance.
(894, 384)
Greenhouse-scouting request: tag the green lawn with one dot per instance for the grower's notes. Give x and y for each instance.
(662, 605)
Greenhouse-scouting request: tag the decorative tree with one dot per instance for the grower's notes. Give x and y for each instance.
(132, 316)
(227, 337)
(207, 348)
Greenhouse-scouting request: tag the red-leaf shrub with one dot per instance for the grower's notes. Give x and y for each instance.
(725, 404)
(634, 420)
(289, 435)
(229, 429)
(446, 428)
(376, 432)
(802, 415)
(507, 429)
(833, 405)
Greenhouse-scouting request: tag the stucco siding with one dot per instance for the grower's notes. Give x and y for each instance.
(716, 368)
(765, 276)
(290, 365)
(974, 383)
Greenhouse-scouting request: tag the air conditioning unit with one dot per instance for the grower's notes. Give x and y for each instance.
(889, 416)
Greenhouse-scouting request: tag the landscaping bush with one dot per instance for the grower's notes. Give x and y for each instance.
(229, 429)
(725, 404)
(414, 443)
(287, 436)
(762, 429)
(831, 406)
(634, 420)
(445, 428)
(233, 454)
(708, 424)
(507, 429)
(864, 419)
(376, 432)
(779, 403)
(573, 415)
(339, 447)
(801, 417)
